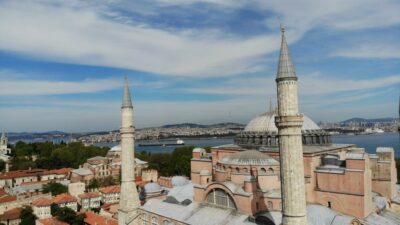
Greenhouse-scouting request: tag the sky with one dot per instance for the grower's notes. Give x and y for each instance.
(62, 63)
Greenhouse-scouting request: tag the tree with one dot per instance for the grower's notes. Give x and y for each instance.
(2, 165)
(54, 188)
(93, 184)
(70, 216)
(27, 216)
(54, 208)
(107, 181)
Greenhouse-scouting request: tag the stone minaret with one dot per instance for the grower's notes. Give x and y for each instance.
(289, 123)
(129, 199)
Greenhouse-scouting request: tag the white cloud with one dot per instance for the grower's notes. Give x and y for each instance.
(313, 84)
(371, 50)
(77, 35)
(37, 87)
(80, 33)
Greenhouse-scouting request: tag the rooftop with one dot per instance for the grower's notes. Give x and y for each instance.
(111, 189)
(11, 214)
(42, 202)
(96, 219)
(64, 198)
(52, 221)
(249, 157)
(82, 171)
(89, 195)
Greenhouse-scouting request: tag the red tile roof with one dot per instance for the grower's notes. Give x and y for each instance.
(21, 173)
(41, 202)
(8, 198)
(111, 189)
(89, 195)
(64, 198)
(59, 171)
(33, 172)
(2, 192)
(11, 214)
(52, 221)
(96, 219)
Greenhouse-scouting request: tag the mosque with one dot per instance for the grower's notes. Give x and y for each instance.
(282, 169)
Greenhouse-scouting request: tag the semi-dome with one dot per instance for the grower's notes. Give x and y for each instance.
(249, 157)
(152, 188)
(266, 123)
(179, 181)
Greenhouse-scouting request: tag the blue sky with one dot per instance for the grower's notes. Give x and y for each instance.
(203, 61)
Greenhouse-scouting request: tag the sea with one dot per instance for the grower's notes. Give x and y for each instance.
(370, 142)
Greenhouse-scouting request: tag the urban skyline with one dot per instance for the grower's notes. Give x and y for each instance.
(193, 61)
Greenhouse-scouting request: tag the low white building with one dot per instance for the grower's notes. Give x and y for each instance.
(90, 200)
(66, 200)
(42, 208)
(110, 194)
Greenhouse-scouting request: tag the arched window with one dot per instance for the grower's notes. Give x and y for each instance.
(244, 170)
(220, 198)
(270, 205)
(271, 171)
(154, 220)
(263, 170)
(237, 170)
(145, 222)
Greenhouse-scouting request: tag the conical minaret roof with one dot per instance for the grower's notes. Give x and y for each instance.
(127, 102)
(285, 66)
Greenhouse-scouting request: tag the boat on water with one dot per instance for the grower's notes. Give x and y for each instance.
(178, 142)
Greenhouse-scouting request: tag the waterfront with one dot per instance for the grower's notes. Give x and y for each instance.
(369, 142)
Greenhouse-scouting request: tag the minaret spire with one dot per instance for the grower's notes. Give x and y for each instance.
(129, 200)
(289, 123)
(127, 101)
(285, 65)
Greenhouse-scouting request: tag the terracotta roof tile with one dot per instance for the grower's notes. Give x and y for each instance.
(52, 221)
(8, 198)
(11, 214)
(111, 189)
(41, 202)
(95, 219)
(2, 192)
(89, 195)
(64, 198)
(21, 173)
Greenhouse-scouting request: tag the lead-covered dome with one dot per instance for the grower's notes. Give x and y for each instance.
(266, 123)
(262, 132)
(249, 157)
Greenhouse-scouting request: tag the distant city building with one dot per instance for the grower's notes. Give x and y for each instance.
(4, 149)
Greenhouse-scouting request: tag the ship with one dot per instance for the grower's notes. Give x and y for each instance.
(178, 142)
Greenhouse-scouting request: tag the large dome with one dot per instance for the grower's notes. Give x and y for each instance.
(266, 123)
